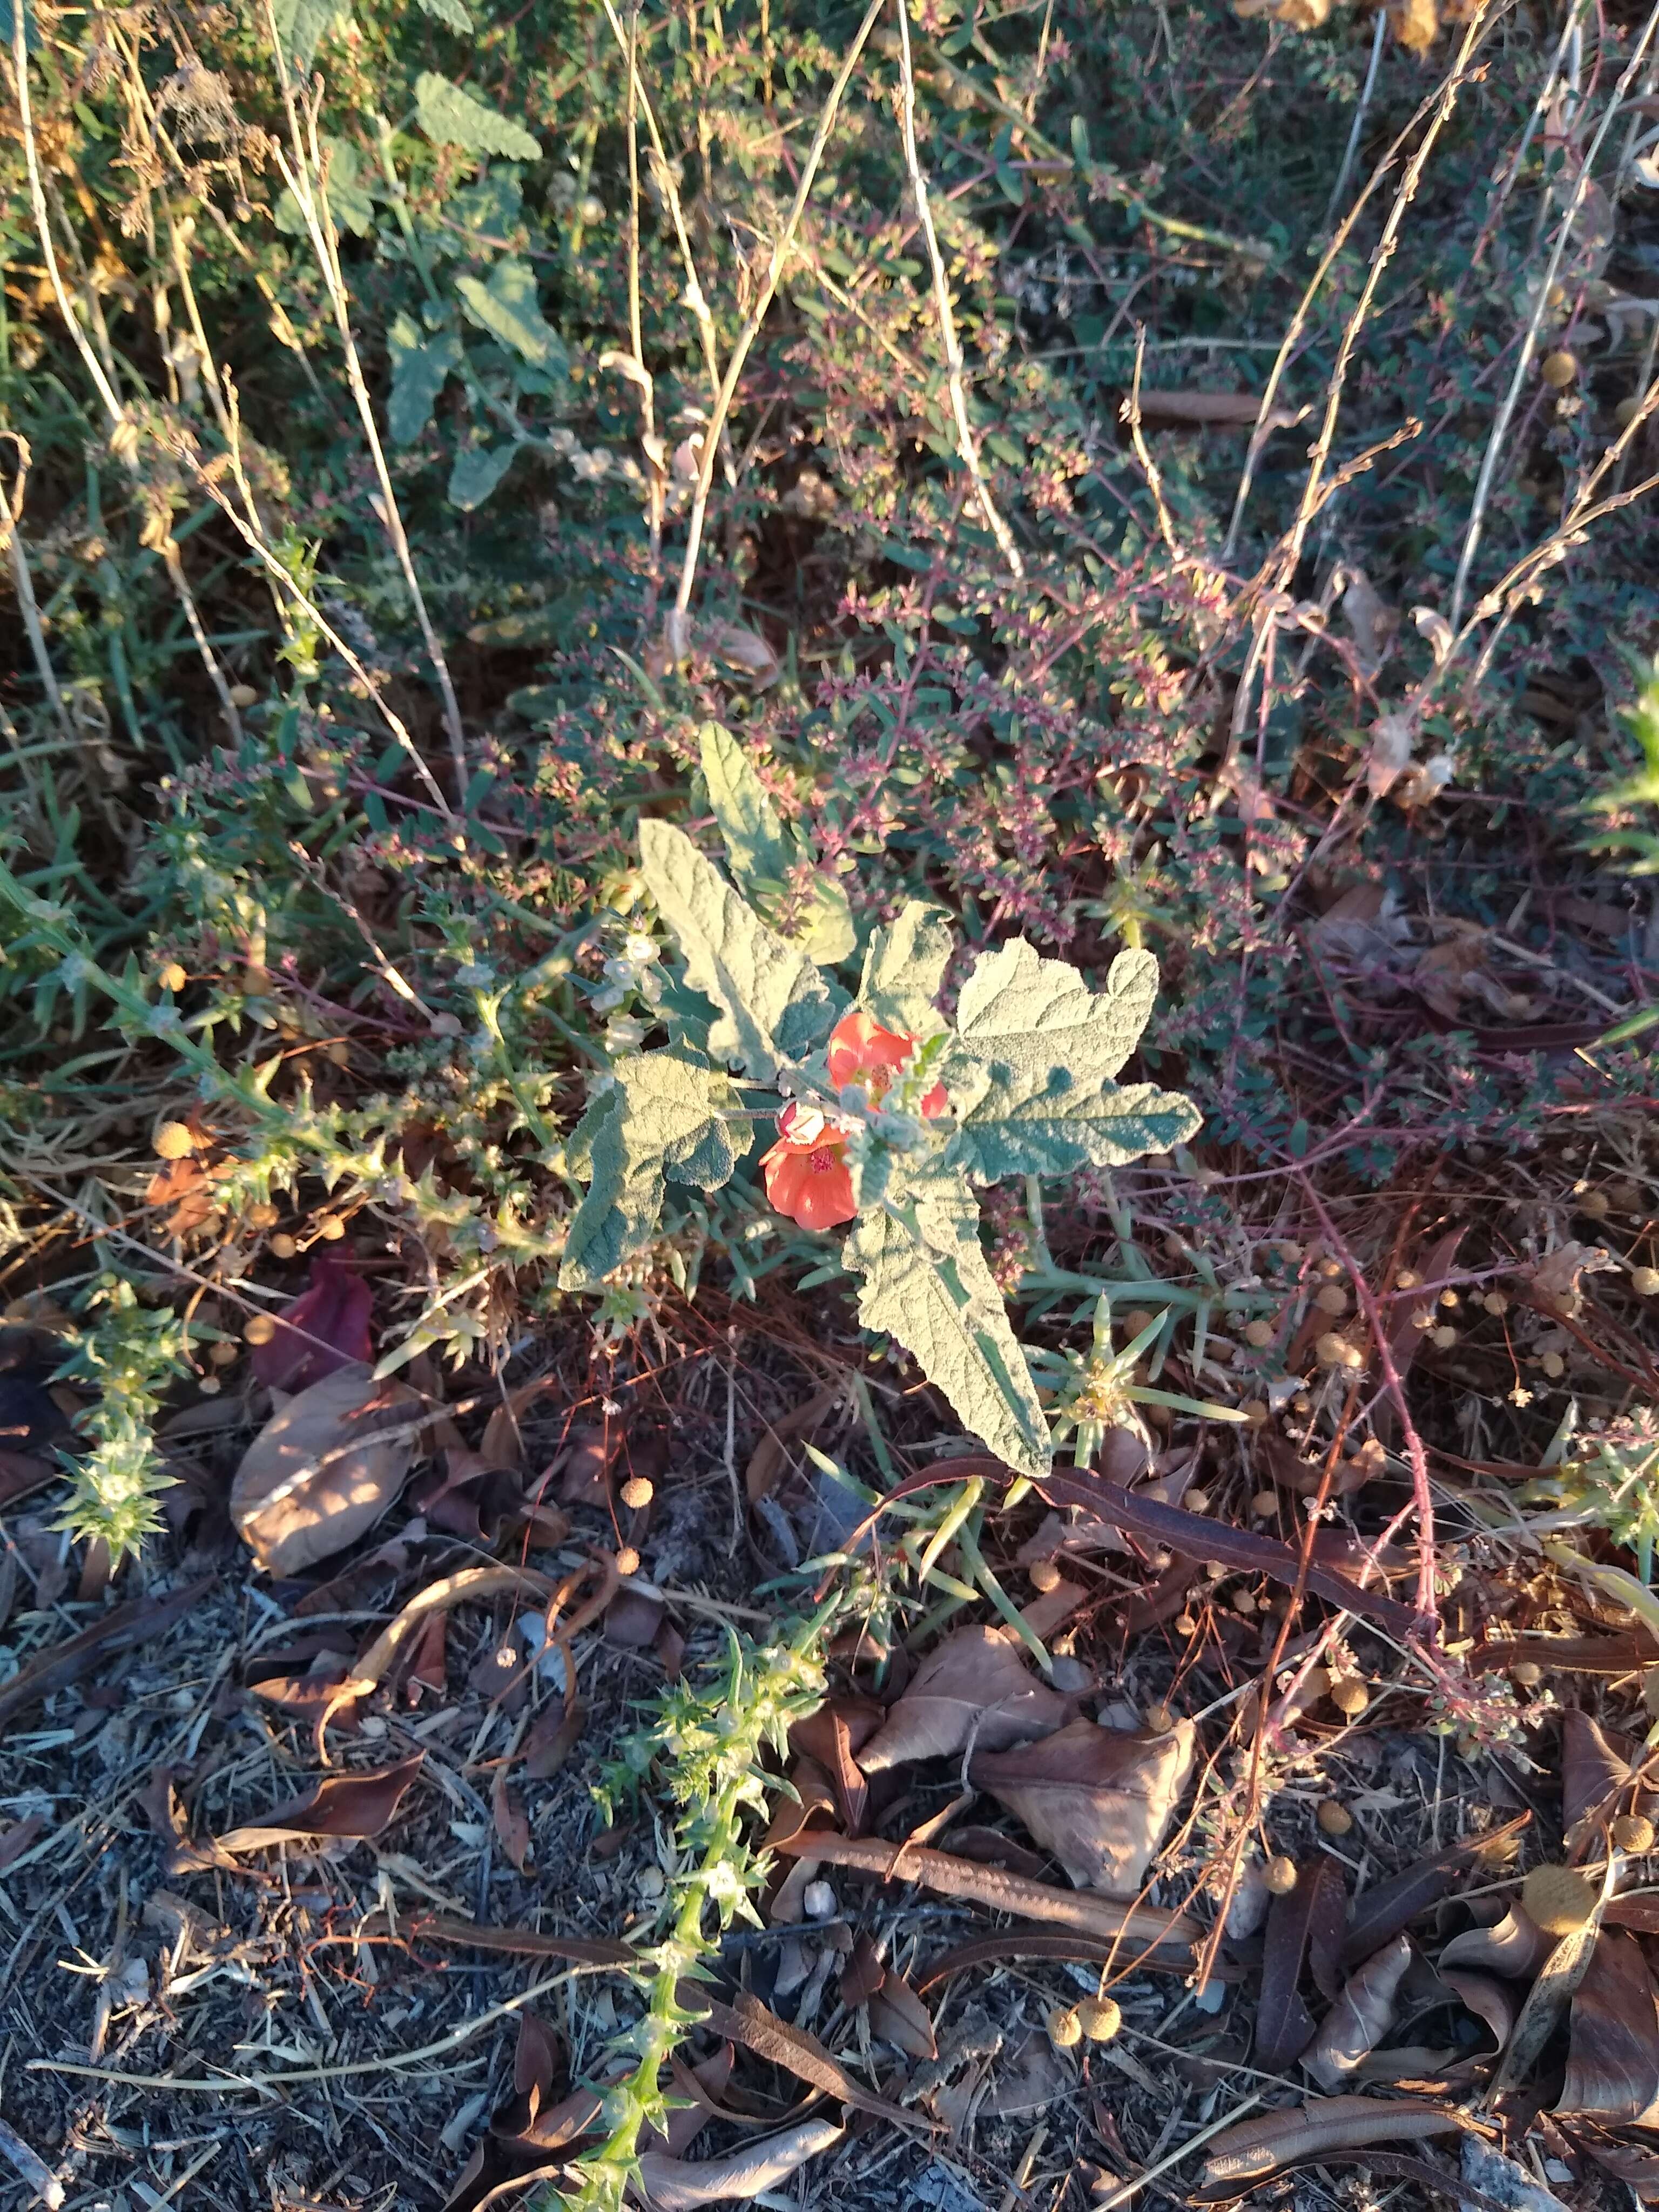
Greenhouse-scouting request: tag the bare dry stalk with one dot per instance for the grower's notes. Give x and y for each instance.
(679, 624)
(297, 174)
(101, 380)
(1546, 287)
(1143, 452)
(11, 519)
(955, 367)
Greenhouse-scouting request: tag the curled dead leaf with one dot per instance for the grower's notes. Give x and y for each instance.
(1613, 2055)
(973, 1687)
(323, 1471)
(1360, 2018)
(1267, 2142)
(1516, 1947)
(898, 2016)
(673, 2185)
(352, 1806)
(1304, 1927)
(1486, 1998)
(1099, 1799)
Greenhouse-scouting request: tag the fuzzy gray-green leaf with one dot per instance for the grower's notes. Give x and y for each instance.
(775, 1003)
(1031, 1014)
(1054, 1126)
(476, 471)
(664, 1125)
(758, 846)
(448, 11)
(904, 969)
(450, 117)
(926, 1282)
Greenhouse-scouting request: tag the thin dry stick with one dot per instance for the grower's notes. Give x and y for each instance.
(1352, 149)
(655, 452)
(126, 448)
(1298, 323)
(679, 621)
(1546, 287)
(324, 244)
(662, 172)
(11, 526)
(955, 367)
(1143, 452)
(280, 576)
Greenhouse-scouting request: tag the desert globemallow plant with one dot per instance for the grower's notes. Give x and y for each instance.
(888, 1117)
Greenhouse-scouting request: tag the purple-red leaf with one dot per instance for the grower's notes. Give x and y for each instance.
(324, 1329)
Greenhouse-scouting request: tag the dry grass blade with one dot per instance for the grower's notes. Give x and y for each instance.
(973, 1687)
(1272, 2140)
(1099, 1799)
(1360, 2018)
(1099, 1917)
(674, 2185)
(345, 1805)
(322, 1472)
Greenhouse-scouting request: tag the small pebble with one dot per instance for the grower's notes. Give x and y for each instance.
(818, 1901)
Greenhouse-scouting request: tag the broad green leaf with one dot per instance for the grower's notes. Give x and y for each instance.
(450, 117)
(904, 969)
(478, 470)
(449, 11)
(1056, 1127)
(578, 1145)
(775, 1003)
(760, 849)
(926, 1282)
(1020, 1012)
(491, 209)
(663, 1125)
(8, 27)
(420, 367)
(508, 309)
(301, 24)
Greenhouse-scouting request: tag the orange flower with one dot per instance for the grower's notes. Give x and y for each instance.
(861, 1051)
(807, 1177)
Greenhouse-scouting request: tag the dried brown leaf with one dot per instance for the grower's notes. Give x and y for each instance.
(346, 1805)
(1095, 1915)
(973, 1686)
(748, 2021)
(1383, 1911)
(833, 1737)
(1099, 1799)
(323, 1471)
(1018, 1943)
(1638, 2168)
(1613, 2055)
(512, 1828)
(1239, 410)
(1595, 1766)
(898, 2016)
(1306, 1920)
(771, 1455)
(1562, 1971)
(1486, 1998)
(1360, 2018)
(1516, 1945)
(1262, 2144)
(673, 2185)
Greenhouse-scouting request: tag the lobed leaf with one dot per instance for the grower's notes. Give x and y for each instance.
(1028, 1015)
(421, 365)
(904, 969)
(1051, 1126)
(775, 1005)
(507, 306)
(661, 1123)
